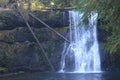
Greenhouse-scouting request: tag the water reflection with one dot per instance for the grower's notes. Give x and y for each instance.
(82, 77)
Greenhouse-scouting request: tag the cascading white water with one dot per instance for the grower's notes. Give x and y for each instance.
(82, 54)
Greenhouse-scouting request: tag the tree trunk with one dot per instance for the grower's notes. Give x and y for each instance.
(29, 5)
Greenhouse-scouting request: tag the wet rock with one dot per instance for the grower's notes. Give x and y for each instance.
(22, 53)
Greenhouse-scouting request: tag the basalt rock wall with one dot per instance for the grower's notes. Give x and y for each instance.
(12, 19)
(20, 52)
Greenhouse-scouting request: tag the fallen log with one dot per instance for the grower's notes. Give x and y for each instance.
(49, 27)
(29, 27)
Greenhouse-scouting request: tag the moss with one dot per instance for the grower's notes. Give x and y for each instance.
(3, 69)
(47, 15)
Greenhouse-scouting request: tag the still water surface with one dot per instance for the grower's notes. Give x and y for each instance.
(66, 76)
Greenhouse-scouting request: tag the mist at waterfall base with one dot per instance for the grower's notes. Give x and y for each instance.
(82, 54)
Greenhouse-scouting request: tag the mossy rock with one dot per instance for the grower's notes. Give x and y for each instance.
(3, 69)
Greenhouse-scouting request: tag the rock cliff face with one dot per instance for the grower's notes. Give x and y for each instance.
(19, 50)
(12, 19)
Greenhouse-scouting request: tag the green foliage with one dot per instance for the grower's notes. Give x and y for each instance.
(35, 5)
(113, 43)
(109, 10)
(4, 1)
(5, 60)
(58, 3)
(3, 69)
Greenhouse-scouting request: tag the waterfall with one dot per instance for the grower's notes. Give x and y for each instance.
(82, 54)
